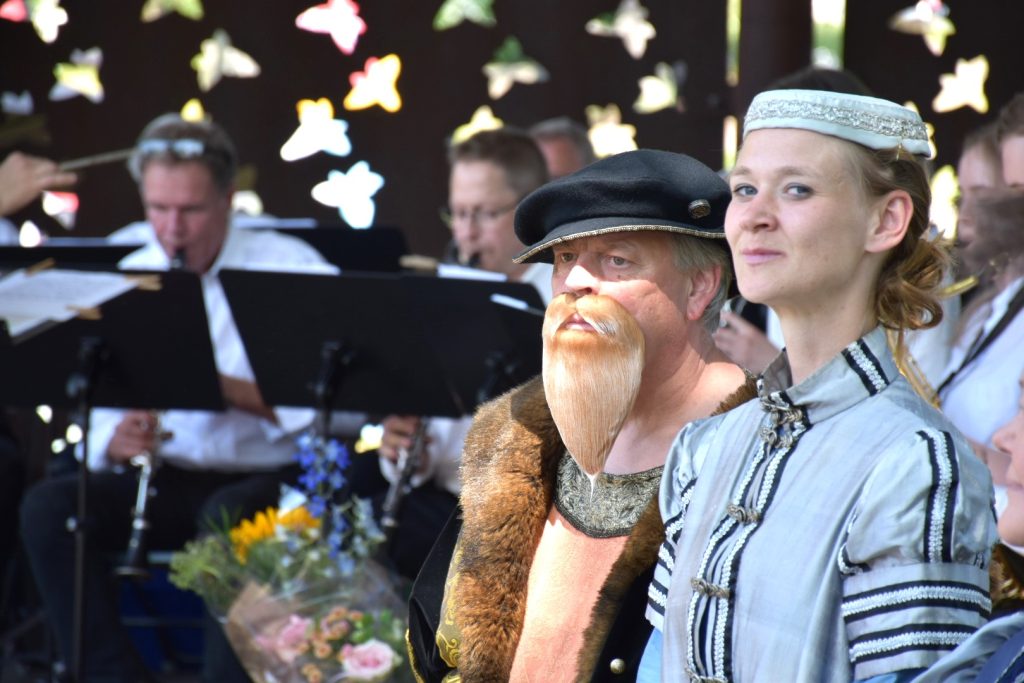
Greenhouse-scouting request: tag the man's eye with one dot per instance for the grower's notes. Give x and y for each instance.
(617, 260)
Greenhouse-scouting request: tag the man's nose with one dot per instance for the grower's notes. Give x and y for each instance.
(581, 281)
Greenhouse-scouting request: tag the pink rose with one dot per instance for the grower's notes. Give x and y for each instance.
(290, 641)
(369, 661)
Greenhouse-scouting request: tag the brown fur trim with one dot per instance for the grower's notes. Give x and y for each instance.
(507, 492)
(508, 476)
(639, 553)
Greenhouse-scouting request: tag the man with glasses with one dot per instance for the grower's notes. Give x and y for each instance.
(214, 468)
(490, 172)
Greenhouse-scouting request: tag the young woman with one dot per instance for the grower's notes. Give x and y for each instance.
(838, 528)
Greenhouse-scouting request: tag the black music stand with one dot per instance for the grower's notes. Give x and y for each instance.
(149, 349)
(378, 249)
(82, 256)
(382, 344)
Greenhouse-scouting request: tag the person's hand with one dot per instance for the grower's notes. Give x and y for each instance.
(24, 177)
(746, 345)
(136, 433)
(398, 434)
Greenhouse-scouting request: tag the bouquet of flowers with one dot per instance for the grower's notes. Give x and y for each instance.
(295, 587)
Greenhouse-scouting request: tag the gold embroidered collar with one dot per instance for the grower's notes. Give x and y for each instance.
(614, 505)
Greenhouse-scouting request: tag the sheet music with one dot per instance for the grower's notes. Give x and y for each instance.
(53, 295)
(466, 273)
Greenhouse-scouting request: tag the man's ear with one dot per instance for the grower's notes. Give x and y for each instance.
(703, 287)
(893, 218)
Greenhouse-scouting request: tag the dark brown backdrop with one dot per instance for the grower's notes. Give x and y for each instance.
(146, 72)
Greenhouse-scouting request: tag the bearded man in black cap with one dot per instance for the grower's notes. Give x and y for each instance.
(543, 573)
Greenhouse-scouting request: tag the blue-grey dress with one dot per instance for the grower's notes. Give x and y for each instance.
(839, 529)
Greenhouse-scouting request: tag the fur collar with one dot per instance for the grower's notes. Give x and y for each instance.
(509, 465)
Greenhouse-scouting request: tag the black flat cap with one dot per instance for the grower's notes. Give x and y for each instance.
(642, 190)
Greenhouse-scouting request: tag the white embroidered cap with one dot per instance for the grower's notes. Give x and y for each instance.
(868, 121)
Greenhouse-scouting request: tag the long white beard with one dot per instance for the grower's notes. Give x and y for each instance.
(591, 377)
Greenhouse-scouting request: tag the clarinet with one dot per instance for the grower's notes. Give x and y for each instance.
(409, 460)
(135, 565)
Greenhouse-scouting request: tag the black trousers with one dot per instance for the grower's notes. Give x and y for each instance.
(186, 503)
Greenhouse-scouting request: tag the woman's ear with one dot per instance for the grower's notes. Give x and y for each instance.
(894, 213)
(703, 287)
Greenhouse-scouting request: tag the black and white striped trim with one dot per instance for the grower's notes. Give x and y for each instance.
(657, 592)
(846, 566)
(710, 619)
(882, 644)
(902, 596)
(867, 367)
(938, 536)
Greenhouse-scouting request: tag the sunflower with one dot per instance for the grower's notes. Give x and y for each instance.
(264, 525)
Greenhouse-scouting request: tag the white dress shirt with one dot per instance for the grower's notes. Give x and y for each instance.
(233, 440)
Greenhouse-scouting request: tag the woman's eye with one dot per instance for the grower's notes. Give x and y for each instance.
(798, 190)
(744, 191)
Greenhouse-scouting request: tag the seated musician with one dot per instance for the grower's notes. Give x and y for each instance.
(213, 467)
(490, 173)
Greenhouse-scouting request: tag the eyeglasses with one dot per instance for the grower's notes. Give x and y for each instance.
(185, 148)
(477, 214)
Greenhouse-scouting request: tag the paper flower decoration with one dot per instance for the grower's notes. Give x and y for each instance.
(928, 19)
(964, 88)
(629, 22)
(511, 66)
(79, 77)
(607, 133)
(193, 110)
(339, 18)
(218, 58)
(247, 202)
(942, 210)
(17, 105)
(377, 84)
(47, 16)
(190, 9)
(352, 193)
(454, 12)
(661, 90)
(14, 10)
(318, 131)
(29, 235)
(61, 206)
(483, 119)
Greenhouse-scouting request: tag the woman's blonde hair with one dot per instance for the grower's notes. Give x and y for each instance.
(907, 293)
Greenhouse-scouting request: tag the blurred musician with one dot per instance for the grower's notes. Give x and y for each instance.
(215, 467)
(490, 173)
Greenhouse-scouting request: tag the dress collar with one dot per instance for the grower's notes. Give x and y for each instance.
(859, 371)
